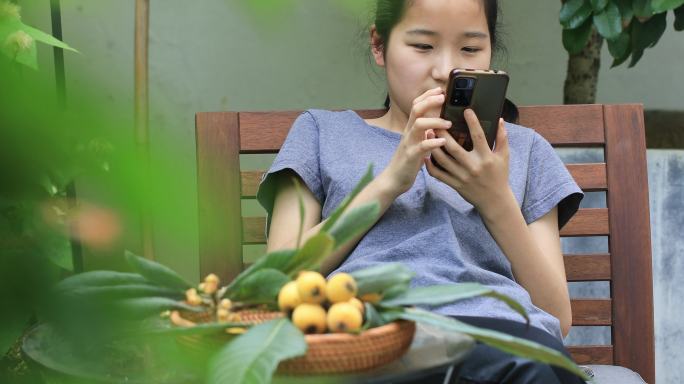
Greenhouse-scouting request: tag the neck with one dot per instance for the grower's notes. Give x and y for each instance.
(394, 120)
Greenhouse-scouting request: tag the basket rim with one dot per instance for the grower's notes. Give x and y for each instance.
(383, 330)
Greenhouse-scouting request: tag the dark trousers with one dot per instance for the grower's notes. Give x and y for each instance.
(485, 364)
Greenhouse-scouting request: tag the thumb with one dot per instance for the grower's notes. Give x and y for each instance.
(429, 134)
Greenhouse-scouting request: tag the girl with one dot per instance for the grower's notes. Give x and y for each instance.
(491, 217)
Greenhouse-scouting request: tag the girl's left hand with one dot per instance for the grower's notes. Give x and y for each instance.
(479, 176)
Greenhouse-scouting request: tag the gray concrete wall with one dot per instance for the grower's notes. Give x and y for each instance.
(213, 55)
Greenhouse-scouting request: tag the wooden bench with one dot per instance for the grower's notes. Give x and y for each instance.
(617, 129)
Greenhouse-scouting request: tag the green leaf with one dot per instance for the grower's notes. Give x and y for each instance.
(679, 19)
(626, 11)
(620, 46)
(141, 307)
(125, 291)
(574, 13)
(261, 287)
(46, 38)
(646, 35)
(199, 329)
(254, 356)
(156, 272)
(449, 293)
(665, 5)
(502, 341)
(332, 219)
(642, 8)
(12, 326)
(379, 278)
(574, 40)
(310, 256)
(98, 279)
(373, 317)
(598, 5)
(279, 260)
(355, 222)
(609, 22)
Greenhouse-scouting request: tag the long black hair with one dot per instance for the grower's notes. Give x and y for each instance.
(388, 13)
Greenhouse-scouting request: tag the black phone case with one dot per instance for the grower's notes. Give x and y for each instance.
(489, 95)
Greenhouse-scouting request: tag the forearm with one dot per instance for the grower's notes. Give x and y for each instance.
(541, 275)
(379, 189)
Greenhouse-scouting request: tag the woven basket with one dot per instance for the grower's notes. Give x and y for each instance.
(204, 344)
(345, 353)
(326, 353)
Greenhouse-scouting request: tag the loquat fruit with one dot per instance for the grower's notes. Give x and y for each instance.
(212, 278)
(358, 304)
(311, 287)
(344, 317)
(288, 297)
(192, 298)
(309, 318)
(341, 287)
(223, 315)
(226, 304)
(372, 298)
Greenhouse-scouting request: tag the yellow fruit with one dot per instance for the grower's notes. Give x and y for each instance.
(226, 304)
(340, 287)
(192, 298)
(223, 315)
(344, 317)
(211, 278)
(288, 297)
(180, 321)
(210, 287)
(236, 330)
(358, 304)
(373, 298)
(309, 318)
(311, 287)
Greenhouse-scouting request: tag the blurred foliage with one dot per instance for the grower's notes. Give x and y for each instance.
(18, 40)
(629, 26)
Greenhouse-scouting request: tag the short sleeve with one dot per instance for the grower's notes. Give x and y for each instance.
(300, 154)
(549, 184)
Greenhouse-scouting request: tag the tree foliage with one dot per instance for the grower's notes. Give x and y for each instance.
(629, 26)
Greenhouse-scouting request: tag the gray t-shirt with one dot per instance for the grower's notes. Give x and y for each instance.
(431, 229)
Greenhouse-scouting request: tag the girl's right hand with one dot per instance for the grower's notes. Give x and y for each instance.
(418, 139)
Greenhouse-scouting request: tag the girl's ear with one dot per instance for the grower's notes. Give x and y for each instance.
(377, 47)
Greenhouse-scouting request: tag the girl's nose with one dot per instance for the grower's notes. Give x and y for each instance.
(443, 65)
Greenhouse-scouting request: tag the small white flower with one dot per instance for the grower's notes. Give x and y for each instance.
(18, 42)
(9, 11)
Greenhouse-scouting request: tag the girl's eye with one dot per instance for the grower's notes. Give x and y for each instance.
(422, 47)
(471, 49)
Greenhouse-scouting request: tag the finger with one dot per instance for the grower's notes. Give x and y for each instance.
(419, 109)
(422, 125)
(449, 164)
(439, 174)
(453, 148)
(429, 145)
(476, 132)
(429, 92)
(501, 144)
(430, 134)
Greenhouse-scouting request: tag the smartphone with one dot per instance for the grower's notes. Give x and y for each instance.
(483, 91)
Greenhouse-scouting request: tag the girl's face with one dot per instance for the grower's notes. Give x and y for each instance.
(434, 37)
